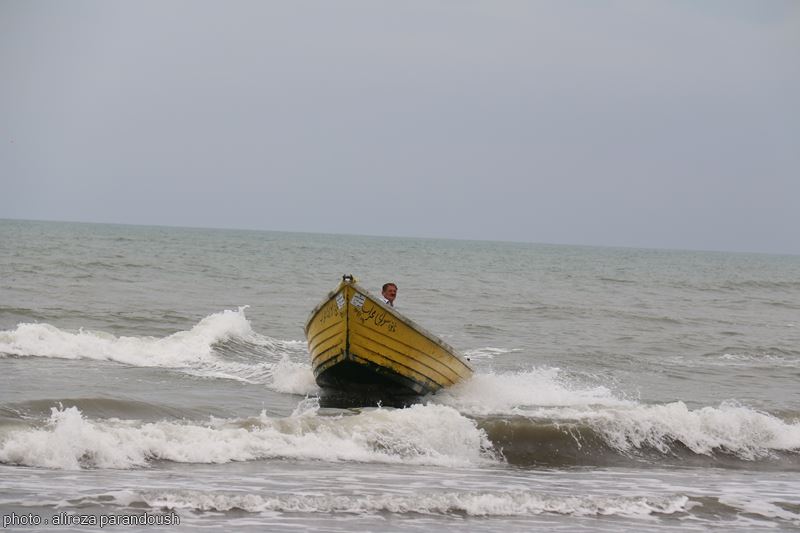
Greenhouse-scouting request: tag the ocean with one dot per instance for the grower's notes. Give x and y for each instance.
(155, 377)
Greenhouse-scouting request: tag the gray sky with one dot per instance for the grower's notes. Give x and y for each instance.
(654, 124)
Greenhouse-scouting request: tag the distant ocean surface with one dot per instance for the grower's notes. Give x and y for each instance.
(162, 373)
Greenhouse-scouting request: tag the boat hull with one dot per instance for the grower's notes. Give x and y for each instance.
(360, 345)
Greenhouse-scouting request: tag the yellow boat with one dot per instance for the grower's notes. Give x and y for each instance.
(358, 344)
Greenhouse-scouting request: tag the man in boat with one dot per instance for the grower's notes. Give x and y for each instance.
(389, 293)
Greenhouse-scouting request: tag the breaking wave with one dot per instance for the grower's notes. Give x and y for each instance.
(429, 435)
(541, 417)
(222, 345)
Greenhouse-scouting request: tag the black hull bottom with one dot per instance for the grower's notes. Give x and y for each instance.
(339, 399)
(349, 384)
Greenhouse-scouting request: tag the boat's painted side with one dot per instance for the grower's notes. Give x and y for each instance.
(355, 340)
(326, 330)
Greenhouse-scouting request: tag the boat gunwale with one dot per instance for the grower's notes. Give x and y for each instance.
(331, 295)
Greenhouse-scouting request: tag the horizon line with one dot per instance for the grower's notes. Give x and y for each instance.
(461, 239)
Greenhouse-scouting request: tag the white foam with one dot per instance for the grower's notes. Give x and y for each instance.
(517, 393)
(759, 506)
(759, 359)
(434, 435)
(488, 352)
(483, 504)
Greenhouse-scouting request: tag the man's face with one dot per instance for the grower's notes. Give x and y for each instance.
(390, 293)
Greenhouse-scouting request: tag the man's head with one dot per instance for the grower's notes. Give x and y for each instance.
(389, 292)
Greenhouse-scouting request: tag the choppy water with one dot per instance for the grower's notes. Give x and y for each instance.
(163, 372)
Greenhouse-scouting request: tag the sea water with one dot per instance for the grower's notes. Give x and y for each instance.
(159, 377)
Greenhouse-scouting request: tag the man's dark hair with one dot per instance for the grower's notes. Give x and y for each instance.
(387, 285)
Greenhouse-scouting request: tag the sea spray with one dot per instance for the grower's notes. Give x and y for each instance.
(293, 377)
(515, 392)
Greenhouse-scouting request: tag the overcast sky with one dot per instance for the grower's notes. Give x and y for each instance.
(650, 124)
